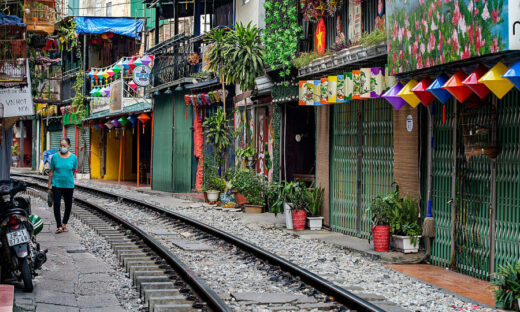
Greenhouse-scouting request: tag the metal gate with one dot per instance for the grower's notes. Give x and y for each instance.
(70, 131)
(84, 150)
(361, 162)
(56, 137)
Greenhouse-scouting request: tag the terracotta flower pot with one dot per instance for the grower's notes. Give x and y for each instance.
(241, 199)
(253, 209)
(298, 218)
(381, 237)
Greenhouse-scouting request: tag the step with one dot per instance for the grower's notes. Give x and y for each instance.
(133, 268)
(129, 263)
(155, 285)
(133, 253)
(172, 307)
(134, 275)
(137, 259)
(150, 279)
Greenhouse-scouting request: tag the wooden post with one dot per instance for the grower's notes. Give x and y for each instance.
(138, 152)
(120, 154)
(453, 184)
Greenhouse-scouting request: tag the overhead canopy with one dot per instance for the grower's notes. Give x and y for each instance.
(130, 27)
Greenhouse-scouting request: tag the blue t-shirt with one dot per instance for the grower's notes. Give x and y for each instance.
(63, 176)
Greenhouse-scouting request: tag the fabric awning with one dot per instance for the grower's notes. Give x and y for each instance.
(131, 27)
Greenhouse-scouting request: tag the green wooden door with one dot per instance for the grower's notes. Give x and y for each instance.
(182, 146)
(361, 162)
(162, 143)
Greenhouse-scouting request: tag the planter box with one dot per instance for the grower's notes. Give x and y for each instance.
(253, 209)
(404, 243)
(315, 223)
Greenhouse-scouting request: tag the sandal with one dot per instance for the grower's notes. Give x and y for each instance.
(59, 230)
(64, 228)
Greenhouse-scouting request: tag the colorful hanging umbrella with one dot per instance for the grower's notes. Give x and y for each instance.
(419, 90)
(146, 60)
(472, 82)
(455, 86)
(115, 123)
(408, 95)
(436, 89)
(392, 97)
(513, 74)
(495, 82)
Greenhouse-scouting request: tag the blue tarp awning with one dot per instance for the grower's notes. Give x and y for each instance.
(131, 27)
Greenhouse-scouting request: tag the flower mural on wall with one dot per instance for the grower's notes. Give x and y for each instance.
(425, 33)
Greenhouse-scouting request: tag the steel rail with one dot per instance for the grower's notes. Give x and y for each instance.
(201, 288)
(341, 295)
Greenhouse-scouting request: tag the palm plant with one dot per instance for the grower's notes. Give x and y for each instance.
(217, 56)
(245, 55)
(218, 133)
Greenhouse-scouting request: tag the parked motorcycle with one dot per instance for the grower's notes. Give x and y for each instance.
(20, 254)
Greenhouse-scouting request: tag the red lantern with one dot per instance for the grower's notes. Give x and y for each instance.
(419, 90)
(143, 118)
(480, 89)
(455, 86)
(321, 34)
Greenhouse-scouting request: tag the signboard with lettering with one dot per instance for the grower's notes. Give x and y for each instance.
(141, 75)
(116, 94)
(16, 101)
(426, 33)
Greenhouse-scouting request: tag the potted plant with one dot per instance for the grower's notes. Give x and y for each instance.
(301, 199)
(404, 223)
(215, 185)
(378, 213)
(315, 221)
(248, 154)
(281, 201)
(248, 184)
(15, 153)
(507, 279)
(218, 133)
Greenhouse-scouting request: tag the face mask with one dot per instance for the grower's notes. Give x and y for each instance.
(64, 150)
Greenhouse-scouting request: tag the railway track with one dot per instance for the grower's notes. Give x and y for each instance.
(165, 228)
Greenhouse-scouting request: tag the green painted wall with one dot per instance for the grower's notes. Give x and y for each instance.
(162, 143)
(182, 146)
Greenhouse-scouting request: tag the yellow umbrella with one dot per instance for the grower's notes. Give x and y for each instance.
(407, 94)
(495, 82)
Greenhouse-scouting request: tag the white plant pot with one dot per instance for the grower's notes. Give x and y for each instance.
(288, 215)
(213, 196)
(315, 223)
(404, 243)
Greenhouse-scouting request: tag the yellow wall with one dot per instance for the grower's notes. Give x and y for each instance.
(95, 152)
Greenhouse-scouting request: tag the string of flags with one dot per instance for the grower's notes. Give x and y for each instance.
(204, 100)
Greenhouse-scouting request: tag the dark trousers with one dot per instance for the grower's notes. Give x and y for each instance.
(58, 192)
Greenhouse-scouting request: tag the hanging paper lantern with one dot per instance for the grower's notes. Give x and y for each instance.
(340, 90)
(107, 91)
(377, 82)
(123, 121)
(115, 123)
(217, 96)
(143, 118)
(349, 86)
(323, 86)
(419, 90)
(62, 109)
(109, 125)
(364, 82)
(138, 62)
(91, 75)
(472, 82)
(146, 60)
(132, 85)
(102, 92)
(495, 82)
(436, 89)
(408, 95)
(392, 97)
(132, 119)
(513, 74)
(206, 97)
(110, 72)
(116, 69)
(95, 74)
(93, 92)
(332, 89)
(455, 86)
(96, 126)
(131, 64)
(356, 83)
(125, 64)
(105, 74)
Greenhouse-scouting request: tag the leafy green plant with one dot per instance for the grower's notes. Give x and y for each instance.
(404, 211)
(281, 34)
(375, 37)
(508, 282)
(68, 30)
(218, 133)
(250, 185)
(317, 194)
(15, 149)
(217, 59)
(216, 183)
(202, 75)
(244, 55)
(78, 101)
(245, 152)
(306, 58)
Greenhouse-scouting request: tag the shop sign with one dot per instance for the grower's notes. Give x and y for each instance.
(16, 101)
(142, 75)
(426, 33)
(115, 95)
(354, 17)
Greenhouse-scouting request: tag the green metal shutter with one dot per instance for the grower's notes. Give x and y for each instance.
(84, 150)
(362, 156)
(56, 137)
(162, 143)
(71, 134)
(508, 181)
(182, 146)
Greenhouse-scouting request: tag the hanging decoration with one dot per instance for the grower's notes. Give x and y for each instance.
(495, 82)
(332, 89)
(455, 86)
(357, 85)
(115, 122)
(306, 92)
(419, 90)
(377, 82)
(314, 10)
(193, 58)
(408, 95)
(392, 97)
(472, 82)
(364, 83)
(340, 97)
(436, 89)
(146, 60)
(138, 62)
(133, 85)
(321, 37)
(513, 74)
(109, 125)
(324, 88)
(349, 86)
(143, 118)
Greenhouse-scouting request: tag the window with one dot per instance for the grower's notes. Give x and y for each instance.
(109, 8)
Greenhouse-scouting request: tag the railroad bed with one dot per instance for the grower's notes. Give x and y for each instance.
(266, 280)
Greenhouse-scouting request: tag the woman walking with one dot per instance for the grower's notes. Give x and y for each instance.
(61, 182)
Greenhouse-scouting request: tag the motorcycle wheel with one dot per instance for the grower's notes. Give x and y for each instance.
(26, 275)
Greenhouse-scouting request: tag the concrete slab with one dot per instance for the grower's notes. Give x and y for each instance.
(98, 301)
(105, 309)
(94, 277)
(55, 297)
(270, 298)
(44, 307)
(191, 245)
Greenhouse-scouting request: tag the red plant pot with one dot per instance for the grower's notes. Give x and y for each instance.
(299, 217)
(381, 237)
(241, 199)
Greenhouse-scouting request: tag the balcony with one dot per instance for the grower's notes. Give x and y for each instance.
(13, 49)
(67, 82)
(39, 15)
